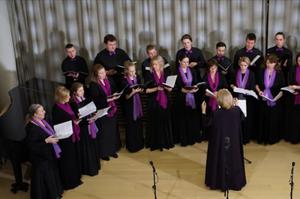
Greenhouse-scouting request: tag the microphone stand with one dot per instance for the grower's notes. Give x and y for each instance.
(154, 179)
(292, 180)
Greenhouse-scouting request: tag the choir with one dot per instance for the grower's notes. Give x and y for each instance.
(270, 88)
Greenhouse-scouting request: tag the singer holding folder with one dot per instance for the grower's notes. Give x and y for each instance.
(244, 78)
(133, 108)
(159, 127)
(292, 127)
(88, 133)
(269, 83)
(69, 162)
(101, 87)
(225, 157)
(186, 115)
(44, 152)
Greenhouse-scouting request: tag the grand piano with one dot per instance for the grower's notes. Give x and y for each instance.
(12, 123)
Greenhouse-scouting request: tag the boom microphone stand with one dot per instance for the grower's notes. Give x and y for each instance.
(154, 179)
(292, 180)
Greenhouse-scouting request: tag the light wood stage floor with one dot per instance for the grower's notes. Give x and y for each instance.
(181, 172)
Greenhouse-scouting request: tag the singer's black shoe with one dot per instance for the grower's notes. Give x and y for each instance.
(105, 158)
(115, 155)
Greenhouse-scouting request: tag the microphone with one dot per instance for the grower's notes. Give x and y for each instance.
(293, 163)
(152, 165)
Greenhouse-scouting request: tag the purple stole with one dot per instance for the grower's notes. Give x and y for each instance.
(49, 130)
(67, 108)
(297, 77)
(242, 82)
(107, 90)
(268, 82)
(187, 80)
(161, 96)
(92, 128)
(137, 105)
(213, 86)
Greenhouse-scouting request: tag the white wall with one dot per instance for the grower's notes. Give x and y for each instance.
(8, 74)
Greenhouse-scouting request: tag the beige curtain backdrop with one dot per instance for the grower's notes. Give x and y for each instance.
(41, 28)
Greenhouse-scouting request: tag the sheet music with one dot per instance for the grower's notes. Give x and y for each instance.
(119, 93)
(245, 92)
(243, 106)
(210, 93)
(288, 89)
(254, 60)
(120, 66)
(170, 81)
(63, 130)
(277, 97)
(87, 109)
(101, 112)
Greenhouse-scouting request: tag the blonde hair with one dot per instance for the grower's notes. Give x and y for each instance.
(224, 98)
(244, 59)
(94, 73)
(127, 65)
(61, 94)
(160, 61)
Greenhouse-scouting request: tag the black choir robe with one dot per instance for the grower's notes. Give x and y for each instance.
(271, 123)
(88, 147)
(45, 180)
(249, 125)
(134, 134)
(225, 153)
(111, 62)
(225, 66)
(108, 137)
(292, 112)
(251, 55)
(69, 162)
(78, 64)
(159, 126)
(186, 121)
(195, 56)
(284, 55)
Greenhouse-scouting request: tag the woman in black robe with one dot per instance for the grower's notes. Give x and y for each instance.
(245, 79)
(292, 127)
(90, 163)
(69, 162)
(133, 109)
(44, 152)
(215, 81)
(186, 123)
(225, 167)
(101, 89)
(270, 81)
(159, 127)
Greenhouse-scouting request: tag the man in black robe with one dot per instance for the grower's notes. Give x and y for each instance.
(254, 54)
(284, 55)
(112, 58)
(74, 67)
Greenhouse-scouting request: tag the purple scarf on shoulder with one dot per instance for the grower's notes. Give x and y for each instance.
(107, 90)
(268, 82)
(161, 96)
(137, 105)
(242, 82)
(50, 131)
(92, 127)
(187, 80)
(76, 129)
(213, 86)
(297, 76)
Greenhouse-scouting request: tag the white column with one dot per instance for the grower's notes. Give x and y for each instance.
(8, 72)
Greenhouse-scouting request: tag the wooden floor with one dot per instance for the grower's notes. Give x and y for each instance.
(181, 175)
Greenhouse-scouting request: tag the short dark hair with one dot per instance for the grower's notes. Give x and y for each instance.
(280, 33)
(109, 37)
(69, 45)
(150, 47)
(182, 56)
(212, 62)
(186, 36)
(251, 36)
(220, 44)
